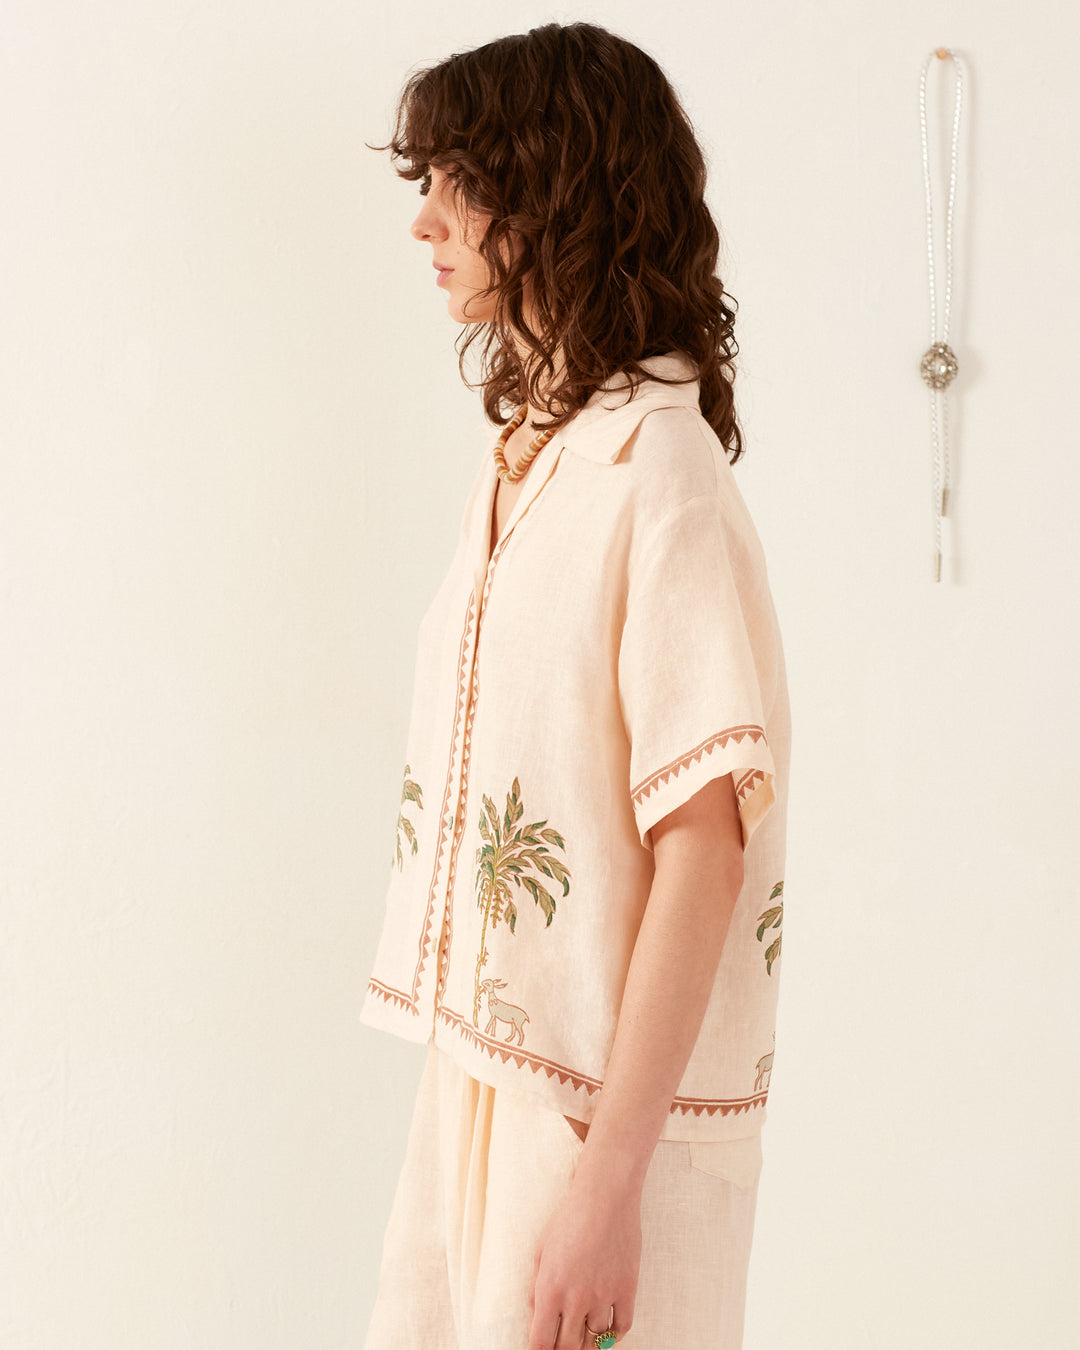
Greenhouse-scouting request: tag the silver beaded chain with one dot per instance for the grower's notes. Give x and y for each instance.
(939, 366)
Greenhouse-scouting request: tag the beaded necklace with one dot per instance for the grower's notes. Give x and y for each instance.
(518, 472)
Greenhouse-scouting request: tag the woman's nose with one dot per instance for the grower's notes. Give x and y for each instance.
(428, 224)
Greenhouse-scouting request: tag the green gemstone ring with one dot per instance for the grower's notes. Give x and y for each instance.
(603, 1340)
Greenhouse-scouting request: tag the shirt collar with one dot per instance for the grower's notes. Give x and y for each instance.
(600, 429)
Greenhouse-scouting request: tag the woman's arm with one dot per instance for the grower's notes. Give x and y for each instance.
(589, 1253)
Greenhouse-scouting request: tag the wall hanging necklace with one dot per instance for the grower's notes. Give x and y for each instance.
(939, 365)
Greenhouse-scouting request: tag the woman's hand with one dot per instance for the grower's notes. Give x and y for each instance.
(587, 1260)
(590, 1249)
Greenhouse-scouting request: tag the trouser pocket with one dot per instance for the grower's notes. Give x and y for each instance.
(735, 1160)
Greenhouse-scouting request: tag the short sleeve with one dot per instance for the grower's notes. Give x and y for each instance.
(698, 663)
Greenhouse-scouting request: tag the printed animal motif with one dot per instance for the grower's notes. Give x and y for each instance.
(772, 918)
(507, 856)
(410, 792)
(498, 1011)
(764, 1071)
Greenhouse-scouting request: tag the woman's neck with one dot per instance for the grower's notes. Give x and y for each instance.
(551, 381)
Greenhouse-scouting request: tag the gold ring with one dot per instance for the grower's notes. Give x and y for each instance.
(603, 1340)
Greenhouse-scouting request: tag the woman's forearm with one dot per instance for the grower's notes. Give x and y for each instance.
(698, 852)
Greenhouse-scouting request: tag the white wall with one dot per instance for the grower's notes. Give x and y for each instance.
(234, 449)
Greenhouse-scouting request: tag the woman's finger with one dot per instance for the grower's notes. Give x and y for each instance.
(597, 1320)
(544, 1330)
(571, 1333)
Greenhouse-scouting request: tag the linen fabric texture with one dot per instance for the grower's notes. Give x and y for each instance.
(617, 651)
(484, 1169)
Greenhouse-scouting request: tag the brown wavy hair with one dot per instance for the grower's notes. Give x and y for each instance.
(573, 142)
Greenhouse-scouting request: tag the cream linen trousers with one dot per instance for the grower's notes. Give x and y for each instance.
(483, 1171)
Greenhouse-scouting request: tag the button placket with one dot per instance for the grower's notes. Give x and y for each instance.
(524, 505)
(456, 820)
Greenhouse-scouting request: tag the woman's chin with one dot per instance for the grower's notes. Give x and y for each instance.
(470, 313)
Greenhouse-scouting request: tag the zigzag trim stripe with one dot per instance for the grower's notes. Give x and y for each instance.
(748, 782)
(672, 770)
(736, 1108)
(395, 996)
(444, 822)
(455, 847)
(496, 1049)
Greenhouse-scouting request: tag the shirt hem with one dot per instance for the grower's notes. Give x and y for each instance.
(574, 1093)
(376, 1012)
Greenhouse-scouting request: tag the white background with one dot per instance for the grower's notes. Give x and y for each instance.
(234, 451)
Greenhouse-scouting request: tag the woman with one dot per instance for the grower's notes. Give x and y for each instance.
(585, 905)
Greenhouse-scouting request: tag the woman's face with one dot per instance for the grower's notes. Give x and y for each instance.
(453, 233)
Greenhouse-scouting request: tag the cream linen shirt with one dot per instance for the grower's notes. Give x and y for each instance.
(618, 652)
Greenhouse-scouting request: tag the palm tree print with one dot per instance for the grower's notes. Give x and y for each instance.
(410, 792)
(506, 856)
(772, 918)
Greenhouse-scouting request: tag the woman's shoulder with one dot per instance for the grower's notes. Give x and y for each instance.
(673, 457)
(682, 484)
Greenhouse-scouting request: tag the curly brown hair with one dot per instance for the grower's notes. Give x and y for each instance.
(573, 142)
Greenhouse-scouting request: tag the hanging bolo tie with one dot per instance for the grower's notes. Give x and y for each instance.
(939, 364)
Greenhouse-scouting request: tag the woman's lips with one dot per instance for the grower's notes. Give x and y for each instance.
(444, 272)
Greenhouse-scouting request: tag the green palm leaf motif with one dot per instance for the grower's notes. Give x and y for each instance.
(510, 856)
(772, 918)
(410, 792)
